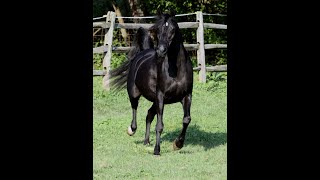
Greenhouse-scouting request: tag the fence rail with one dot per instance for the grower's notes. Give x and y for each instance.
(182, 25)
(107, 48)
(217, 68)
(189, 47)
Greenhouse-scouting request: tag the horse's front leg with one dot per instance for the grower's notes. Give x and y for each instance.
(151, 113)
(186, 104)
(159, 125)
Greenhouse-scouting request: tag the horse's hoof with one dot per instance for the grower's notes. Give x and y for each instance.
(175, 146)
(146, 143)
(156, 154)
(130, 132)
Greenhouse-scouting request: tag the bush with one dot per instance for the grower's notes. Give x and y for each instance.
(116, 58)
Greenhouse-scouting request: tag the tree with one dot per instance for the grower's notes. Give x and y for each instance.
(118, 13)
(136, 9)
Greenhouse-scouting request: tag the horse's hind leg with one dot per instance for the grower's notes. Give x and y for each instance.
(186, 103)
(134, 96)
(134, 105)
(151, 113)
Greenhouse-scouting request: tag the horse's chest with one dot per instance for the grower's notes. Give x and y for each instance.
(175, 90)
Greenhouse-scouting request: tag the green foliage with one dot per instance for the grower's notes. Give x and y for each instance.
(221, 58)
(101, 7)
(97, 58)
(194, 61)
(187, 6)
(98, 92)
(216, 81)
(217, 76)
(97, 61)
(213, 36)
(116, 58)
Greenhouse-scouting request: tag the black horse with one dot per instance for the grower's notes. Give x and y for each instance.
(161, 72)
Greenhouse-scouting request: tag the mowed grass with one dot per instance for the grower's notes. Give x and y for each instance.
(117, 155)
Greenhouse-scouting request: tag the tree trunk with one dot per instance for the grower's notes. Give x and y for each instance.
(118, 13)
(136, 10)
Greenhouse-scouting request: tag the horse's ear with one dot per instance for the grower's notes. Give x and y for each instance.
(152, 29)
(159, 12)
(172, 12)
(153, 32)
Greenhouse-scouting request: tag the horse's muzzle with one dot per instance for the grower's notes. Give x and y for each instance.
(161, 51)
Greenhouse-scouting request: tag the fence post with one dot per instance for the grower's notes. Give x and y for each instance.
(200, 52)
(111, 16)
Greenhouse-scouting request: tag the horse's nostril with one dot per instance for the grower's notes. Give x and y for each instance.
(162, 49)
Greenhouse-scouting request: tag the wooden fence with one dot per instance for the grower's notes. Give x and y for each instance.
(107, 47)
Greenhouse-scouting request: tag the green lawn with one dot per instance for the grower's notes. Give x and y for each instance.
(117, 155)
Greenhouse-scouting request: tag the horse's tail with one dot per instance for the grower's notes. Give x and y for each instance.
(141, 41)
(119, 75)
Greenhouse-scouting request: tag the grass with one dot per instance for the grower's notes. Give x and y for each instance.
(119, 156)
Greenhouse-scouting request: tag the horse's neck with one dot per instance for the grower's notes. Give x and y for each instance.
(176, 62)
(178, 55)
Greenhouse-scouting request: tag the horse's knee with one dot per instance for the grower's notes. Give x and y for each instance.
(186, 120)
(151, 113)
(159, 128)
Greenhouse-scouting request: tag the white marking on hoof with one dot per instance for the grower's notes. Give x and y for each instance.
(130, 132)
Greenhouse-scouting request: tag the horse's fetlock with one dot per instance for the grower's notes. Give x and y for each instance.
(187, 119)
(159, 130)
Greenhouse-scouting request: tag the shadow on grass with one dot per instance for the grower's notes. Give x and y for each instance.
(195, 136)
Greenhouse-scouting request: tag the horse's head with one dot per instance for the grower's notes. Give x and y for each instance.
(164, 32)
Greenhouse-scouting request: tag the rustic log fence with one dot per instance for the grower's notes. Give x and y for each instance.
(107, 47)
